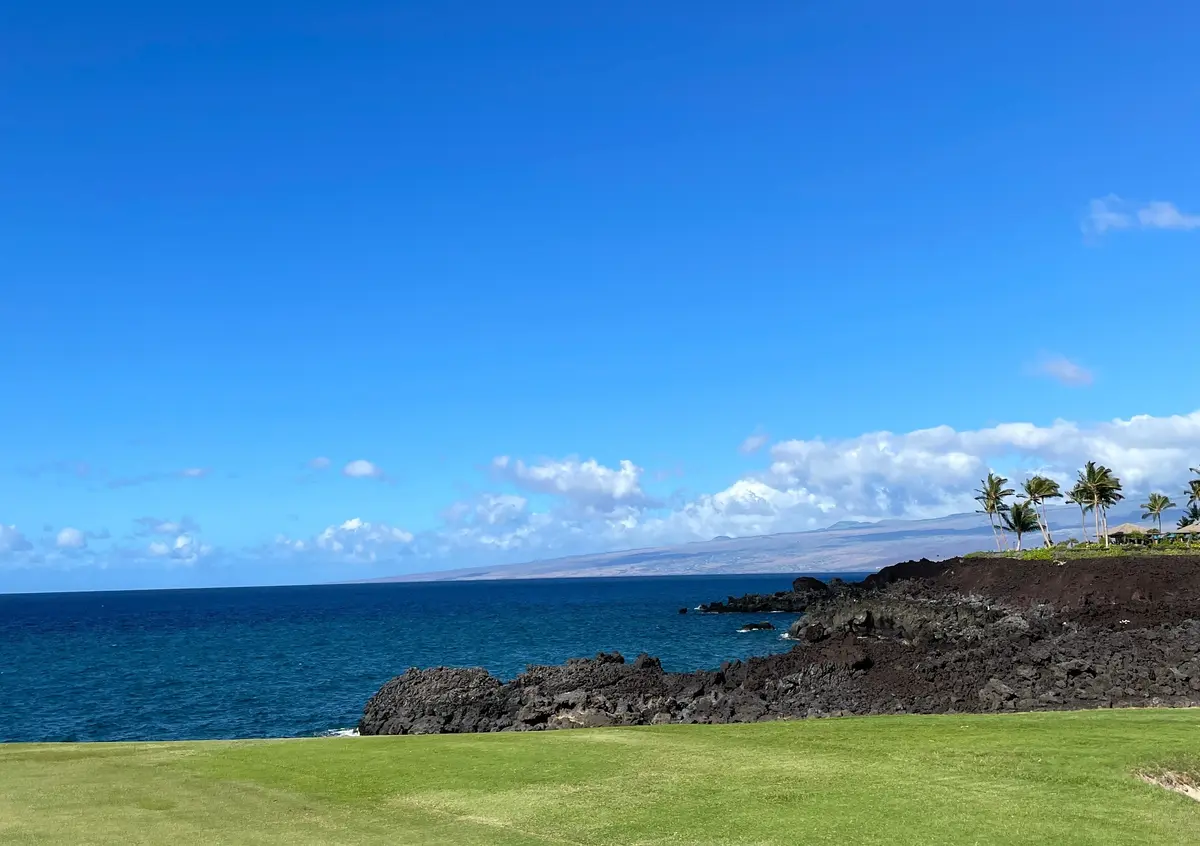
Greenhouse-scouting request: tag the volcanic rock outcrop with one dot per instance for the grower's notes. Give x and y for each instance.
(805, 591)
(964, 635)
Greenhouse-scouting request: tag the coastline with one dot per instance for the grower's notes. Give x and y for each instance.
(963, 635)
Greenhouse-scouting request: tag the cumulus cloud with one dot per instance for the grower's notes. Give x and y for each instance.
(571, 506)
(754, 443)
(805, 484)
(1113, 213)
(499, 509)
(354, 539)
(362, 469)
(1064, 370)
(70, 538)
(184, 549)
(489, 522)
(584, 483)
(909, 474)
(809, 484)
(153, 542)
(11, 540)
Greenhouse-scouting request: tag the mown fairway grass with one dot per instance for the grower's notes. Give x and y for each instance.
(1015, 779)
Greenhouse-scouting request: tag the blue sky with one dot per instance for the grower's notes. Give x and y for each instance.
(492, 252)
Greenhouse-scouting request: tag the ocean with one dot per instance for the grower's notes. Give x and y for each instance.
(302, 661)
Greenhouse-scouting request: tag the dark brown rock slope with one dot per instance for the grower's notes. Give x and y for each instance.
(920, 637)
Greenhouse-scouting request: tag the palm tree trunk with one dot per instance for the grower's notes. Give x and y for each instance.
(1037, 518)
(1083, 523)
(1046, 523)
(1002, 534)
(995, 533)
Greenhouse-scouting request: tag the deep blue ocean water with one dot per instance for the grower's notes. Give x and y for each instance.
(298, 661)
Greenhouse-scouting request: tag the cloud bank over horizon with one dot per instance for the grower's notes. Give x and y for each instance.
(554, 507)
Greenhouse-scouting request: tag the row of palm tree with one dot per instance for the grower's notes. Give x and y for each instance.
(1096, 490)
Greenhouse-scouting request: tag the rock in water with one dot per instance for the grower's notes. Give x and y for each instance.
(805, 591)
(442, 700)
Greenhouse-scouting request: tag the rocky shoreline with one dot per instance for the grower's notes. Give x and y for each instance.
(964, 635)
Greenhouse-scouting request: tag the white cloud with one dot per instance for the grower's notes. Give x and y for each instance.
(1065, 371)
(1105, 214)
(1160, 215)
(362, 469)
(500, 509)
(354, 539)
(69, 538)
(71, 548)
(194, 472)
(583, 483)
(11, 540)
(918, 471)
(806, 484)
(319, 463)
(812, 483)
(801, 484)
(754, 443)
(184, 549)
(1112, 213)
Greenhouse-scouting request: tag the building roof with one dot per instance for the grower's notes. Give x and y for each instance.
(1129, 529)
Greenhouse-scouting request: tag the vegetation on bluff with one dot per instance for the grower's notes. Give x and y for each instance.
(1096, 490)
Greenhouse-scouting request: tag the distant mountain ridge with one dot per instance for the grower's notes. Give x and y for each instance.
(845, 546)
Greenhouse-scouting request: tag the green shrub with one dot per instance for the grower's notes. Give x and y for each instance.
(1069, 550)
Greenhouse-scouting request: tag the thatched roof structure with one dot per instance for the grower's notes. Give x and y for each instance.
(1129, 529)
(1193, 529)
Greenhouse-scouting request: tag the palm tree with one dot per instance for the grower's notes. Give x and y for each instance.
(1190, 516)
(1079, 496)
(1155, 506)
(991, 496)
(1103, 492)
(1110, 495)
(1020, 518)
(1038, 489)
(1193, 491)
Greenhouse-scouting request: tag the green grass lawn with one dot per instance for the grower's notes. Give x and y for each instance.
(1014, 779)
